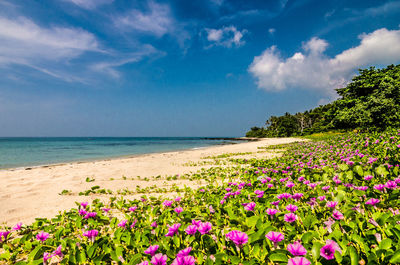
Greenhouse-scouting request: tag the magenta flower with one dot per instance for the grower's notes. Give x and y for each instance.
(299, 261)
(90, 215)
(237, 237)
(291, 208)
(328, 251)
(91, 234)
(17, 227)
(259, 193)
(326, 188)
(290, 217)
(82, 212)
(4, 235)
(372, 201)
(154, 224)
(58, 251)
(379, 187)
(271, 211)
(331, 204)
(133, 223)
(178, 210)
(42, 236)
(321, 198)
(151, 250)
(337, 215)
(391, 184)
(123, 223)
(205, 228)
(178, 199)
(191, 230)
(329, 224)
(297, 196)
(290, 184)
(369, 177)
(144, 263)
(296, 249)
(275, 203)
(173, 229)
(106, 210)
(159, 259)
(250, 206)
(184, 252)
(167, 203)
(275, 237)
(84, 204)
(46, 257)
(196, 223)
(186, 260)
(133, 208)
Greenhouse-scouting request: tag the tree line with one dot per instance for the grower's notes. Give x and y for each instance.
(371, 101)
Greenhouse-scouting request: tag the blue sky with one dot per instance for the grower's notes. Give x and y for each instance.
(180, 68)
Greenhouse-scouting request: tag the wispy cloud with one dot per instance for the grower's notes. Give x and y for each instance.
(157, 20)
(225, 36)
(90, 4)
(312, 69)
(110, 67)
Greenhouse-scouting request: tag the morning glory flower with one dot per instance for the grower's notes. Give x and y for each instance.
(296, 249)
(237, 237)
(159, 259)
(151, 250)
(328, 251)
(299, 261)
(42, 236)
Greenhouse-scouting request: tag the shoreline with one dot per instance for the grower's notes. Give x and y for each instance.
(30, 167)
(29, 194)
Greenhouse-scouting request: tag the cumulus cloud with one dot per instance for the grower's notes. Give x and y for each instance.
(226, 36)
(156, 21)
(89, 4)
(24, 42)
(312, 69)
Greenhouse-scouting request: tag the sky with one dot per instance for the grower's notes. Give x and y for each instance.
(181, 68)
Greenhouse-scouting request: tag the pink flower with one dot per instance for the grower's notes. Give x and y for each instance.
(271, 211)
(84, 204)
(391, 184)
(123, 223)
(290, 217)
(275, 236)
(46, 257)
(297, 196)
(178, 210)
(178, 199)
(144, 263)
(184, 252)
(326, 188)
(328, 251)
(151, 250)
(321, 198)
(259, 193)
(291, 208)
(196, 223)
(369, 177)
(372, 201)
(205, 228)
(296, 249)
(379, 187)
(173, 229)
(167, 203)
(186, 260)
(132, 209)
(237, 237)
(58, 252)
(106, 210)
(250, 206)
(275, 203)
(191, 230)
(154, 224)
(299, 261)
(4, 235)
(91, 234)
(42, 236)
(337, 215)
(82, 212)
(290, 184)
(17, 227)
(331, 204)
(159, 259)
(90, 215)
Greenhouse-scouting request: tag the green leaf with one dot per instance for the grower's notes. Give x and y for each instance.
(315, 251)
(353, 255)
(385, 243)
(343, 167)
(278, 257)
(358, 169)
(395, 258)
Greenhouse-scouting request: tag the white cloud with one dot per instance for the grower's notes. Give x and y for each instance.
(226, 36)
(89, 4)
(312, 69)
(24, 42)
(157, 20)
(271, 31)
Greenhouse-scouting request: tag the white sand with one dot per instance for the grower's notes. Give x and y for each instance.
(27, 194)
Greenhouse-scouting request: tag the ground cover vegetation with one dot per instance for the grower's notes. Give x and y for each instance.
(333, 201)
(370, 102)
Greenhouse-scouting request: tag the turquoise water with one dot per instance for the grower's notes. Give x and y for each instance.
(23, 152)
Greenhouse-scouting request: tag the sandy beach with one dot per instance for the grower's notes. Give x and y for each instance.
(29, 193)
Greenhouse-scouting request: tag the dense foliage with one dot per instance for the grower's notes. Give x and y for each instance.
(370, 101)
(322, 202)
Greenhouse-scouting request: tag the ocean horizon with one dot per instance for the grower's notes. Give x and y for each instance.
(17, 152)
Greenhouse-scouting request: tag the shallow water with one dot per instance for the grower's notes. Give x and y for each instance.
(23, 152)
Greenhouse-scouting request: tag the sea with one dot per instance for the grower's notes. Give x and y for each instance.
(16, 152)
